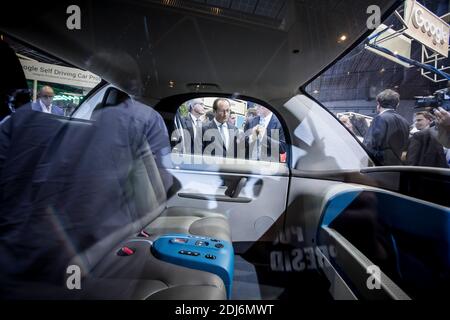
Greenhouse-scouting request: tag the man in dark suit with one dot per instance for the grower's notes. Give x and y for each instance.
(424, 148)
(251, 113)
(388, 134)
(44, 103)
(264, 133)
(192, 125)
(219, 137)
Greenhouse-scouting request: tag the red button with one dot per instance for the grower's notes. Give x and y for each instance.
(127, 251)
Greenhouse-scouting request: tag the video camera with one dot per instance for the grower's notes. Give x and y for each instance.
(440, 98)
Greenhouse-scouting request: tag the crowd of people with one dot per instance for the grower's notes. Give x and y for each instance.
(391, 141)
(215, 132)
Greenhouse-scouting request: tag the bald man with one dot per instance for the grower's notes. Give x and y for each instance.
(44, 103)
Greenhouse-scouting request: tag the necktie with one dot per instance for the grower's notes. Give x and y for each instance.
(258, 140)
(197, 136)
(197, 127)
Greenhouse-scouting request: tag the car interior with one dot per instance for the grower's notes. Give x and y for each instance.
(92, 193)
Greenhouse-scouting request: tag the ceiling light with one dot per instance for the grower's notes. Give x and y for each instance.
(216, 11)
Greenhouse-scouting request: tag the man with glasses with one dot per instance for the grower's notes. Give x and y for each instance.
(44, 103)
(192, 124)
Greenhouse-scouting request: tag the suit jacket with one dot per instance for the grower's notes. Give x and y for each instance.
(212, 141)
(36, 106)
(189, 141)
(425, 150)
(387, 137)
(274, 124)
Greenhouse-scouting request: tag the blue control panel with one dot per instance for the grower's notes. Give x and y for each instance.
(197, 252)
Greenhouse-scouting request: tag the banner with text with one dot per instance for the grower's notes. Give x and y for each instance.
(58, 74)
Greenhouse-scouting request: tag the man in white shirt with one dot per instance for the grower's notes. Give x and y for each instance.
(44, 103)
(196, 114)
(192, 125)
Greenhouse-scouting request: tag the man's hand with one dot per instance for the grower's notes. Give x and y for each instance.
(258, 130)
(442, 117)
(443, 121)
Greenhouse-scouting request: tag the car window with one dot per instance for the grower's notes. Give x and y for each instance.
(87, 107)
(321, 143)
(229, 128)
(55, 87)
(388, 101)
